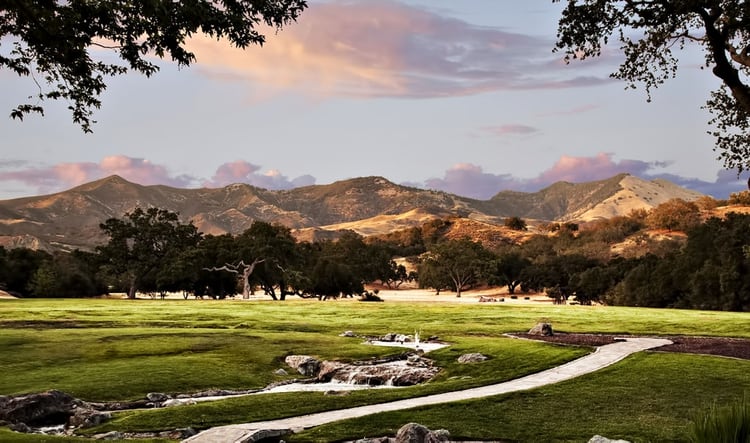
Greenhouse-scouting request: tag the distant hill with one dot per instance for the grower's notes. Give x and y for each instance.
(368, 205)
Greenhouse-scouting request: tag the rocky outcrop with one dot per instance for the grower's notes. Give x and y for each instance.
(412, 371)
(397, 338)
(473, 357)
(544, 329)
(304, 364)
(42, 409)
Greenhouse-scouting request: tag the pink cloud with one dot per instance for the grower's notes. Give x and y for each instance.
(471, 181)
(47, 179)
(389, 49)
(241, 171)
(65, 175)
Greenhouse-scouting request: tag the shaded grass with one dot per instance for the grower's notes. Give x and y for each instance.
(647, 397)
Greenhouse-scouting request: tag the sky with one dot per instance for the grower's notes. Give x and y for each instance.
(465, 97)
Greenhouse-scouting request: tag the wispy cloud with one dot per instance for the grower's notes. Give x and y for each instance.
(510, 129)
(383, 48)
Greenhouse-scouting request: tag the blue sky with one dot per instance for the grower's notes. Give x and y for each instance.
(465, 97)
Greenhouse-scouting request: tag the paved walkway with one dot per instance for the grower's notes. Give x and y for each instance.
(604, 356)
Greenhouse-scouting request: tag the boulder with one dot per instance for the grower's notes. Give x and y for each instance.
(403, 338)
(544, 329)
(42, 409)
(416, 433)
(348, 334)
(280, 372)
(600, 439)
(388, 337)
(473, 357)
(304, 364)
(157, 397)
(88, 418)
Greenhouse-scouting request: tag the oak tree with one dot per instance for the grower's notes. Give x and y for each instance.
(651, 30)
(142, 243)
(51, 41)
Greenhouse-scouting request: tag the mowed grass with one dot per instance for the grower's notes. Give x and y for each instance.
(117, 349)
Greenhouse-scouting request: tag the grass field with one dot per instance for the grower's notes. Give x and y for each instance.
(116, 349)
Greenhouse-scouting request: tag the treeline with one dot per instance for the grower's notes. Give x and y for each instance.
(151, 251)
(666, 257)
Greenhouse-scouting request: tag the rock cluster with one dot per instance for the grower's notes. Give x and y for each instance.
(304, 364)
(404, 370)
(412, 433)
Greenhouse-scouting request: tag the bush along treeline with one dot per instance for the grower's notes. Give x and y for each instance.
(666, 257)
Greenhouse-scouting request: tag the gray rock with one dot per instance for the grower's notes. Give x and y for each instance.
(20, 427)
(281, 372)
(411, 433)
(178, 402)
(541, 329)
(87, 418)
(416, 433)
(396, 373)
(157, 397)
(304, 364)
(112, 435)
(473, 357)
(600, 439)
(348, 334)
(388, 337)
(402, 338)
(373, 440)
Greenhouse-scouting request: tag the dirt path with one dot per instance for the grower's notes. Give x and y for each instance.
(604, 356)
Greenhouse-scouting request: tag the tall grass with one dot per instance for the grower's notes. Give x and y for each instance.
(723, 424)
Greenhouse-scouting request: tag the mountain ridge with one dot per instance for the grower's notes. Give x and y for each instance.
(70, 219)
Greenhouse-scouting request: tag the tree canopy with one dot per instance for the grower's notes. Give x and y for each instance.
(51, 40)
(143, 244)
(650, 32)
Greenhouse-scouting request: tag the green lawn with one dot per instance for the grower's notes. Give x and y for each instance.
(122, 349)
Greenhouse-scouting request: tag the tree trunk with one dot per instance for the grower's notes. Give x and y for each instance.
(132, 289)
(512, 288)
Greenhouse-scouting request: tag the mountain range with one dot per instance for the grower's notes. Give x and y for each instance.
(368, 205)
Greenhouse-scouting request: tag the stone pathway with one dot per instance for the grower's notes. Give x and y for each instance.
(604, 356)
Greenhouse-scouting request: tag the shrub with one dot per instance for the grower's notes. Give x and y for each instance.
(728, 424)
(740, 198)
(516, 224)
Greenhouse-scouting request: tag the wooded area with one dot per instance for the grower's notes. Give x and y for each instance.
(619, 261)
